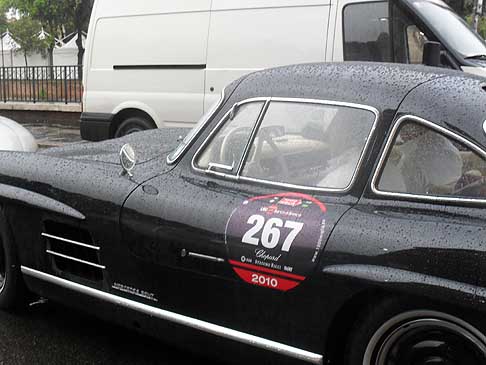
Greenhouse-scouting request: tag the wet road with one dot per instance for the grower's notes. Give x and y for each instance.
(51, 334)
(51, 135)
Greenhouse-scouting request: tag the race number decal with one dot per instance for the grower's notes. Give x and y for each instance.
(274, 241)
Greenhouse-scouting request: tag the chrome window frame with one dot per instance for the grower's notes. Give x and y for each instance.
(202, 126)
(428, 198)
(217, 128)
(268, 100)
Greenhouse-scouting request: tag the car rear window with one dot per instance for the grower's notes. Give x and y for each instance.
(424, 162)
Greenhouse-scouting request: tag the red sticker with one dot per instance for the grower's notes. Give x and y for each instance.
(274, 241)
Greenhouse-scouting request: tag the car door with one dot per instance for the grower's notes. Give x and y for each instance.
(427, 194)
(234, 233)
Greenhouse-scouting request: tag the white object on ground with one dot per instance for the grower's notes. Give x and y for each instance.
(14, 137)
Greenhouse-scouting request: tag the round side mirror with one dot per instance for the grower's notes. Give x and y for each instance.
(128, 159)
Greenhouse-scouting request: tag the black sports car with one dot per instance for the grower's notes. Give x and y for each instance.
(321, 213)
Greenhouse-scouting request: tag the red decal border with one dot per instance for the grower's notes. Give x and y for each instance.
(281, 284)
(295, 195)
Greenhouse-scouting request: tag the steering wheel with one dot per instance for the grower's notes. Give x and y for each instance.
(229, 142)
(468, 188)
(255, 163)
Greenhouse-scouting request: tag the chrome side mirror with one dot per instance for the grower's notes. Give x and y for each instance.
(128, 160)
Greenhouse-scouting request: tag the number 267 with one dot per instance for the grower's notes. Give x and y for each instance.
(271, 232)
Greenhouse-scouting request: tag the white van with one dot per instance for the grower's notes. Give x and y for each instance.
(156, 63)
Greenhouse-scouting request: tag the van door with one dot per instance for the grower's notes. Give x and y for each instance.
(246, 36)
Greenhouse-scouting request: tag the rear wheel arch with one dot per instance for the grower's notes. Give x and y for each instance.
(375, 307)
(358, 308)
(344, 320)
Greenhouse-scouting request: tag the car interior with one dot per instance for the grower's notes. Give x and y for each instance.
(425, 162)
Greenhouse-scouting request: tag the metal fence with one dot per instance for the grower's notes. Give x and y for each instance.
(46, 84)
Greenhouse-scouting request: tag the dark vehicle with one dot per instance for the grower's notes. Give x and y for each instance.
(321, 213)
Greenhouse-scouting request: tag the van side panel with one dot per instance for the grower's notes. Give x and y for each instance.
(131, 8)
(246, 36)
(146, 56)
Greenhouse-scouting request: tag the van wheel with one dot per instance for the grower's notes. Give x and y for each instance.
(394, 333)
(13, 293)
(133, 125)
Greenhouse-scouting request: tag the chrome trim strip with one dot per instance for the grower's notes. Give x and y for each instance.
(197, 324)
(250, 142)
(389, 145)
(238, 177)
(54, 253)
(202, 126)
(205, 257)
(70, 241)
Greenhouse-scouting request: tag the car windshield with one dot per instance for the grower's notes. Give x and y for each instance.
(194, 132)
(450, 27)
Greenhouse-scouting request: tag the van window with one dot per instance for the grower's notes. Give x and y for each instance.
(415, 42)
(450, 27)
(367, 34)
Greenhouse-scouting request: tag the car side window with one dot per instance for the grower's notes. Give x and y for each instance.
(423, 161)
(226, 148)
(309, 144)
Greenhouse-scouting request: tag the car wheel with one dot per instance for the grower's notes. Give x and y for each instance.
(13, 293)
(394, 333)
(133, 125)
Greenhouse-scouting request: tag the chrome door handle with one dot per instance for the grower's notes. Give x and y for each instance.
(185, 253)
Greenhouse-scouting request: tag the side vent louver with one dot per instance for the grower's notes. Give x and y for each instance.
(72, 251)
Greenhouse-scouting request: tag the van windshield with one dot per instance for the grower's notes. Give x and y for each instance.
(449, 26)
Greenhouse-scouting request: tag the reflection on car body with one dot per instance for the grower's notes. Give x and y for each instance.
(321, 213)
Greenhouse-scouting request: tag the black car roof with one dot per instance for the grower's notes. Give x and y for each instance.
(379, 85)
(454, 99)
(455, 102)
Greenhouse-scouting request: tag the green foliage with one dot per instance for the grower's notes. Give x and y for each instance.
(55, 16)
(25, 32)
(481, 26)
(462, 7)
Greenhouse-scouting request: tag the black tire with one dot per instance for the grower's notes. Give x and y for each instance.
(397, 332)
(133, 125)
(13, 292)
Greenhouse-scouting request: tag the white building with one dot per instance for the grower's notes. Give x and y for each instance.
(66, 54)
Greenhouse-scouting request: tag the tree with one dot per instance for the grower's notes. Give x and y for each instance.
(25, 32)
(55, 15)
(48, 12)
(79, 13)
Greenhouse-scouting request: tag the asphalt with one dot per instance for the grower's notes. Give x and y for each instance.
(52, 334)
(52, 135)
